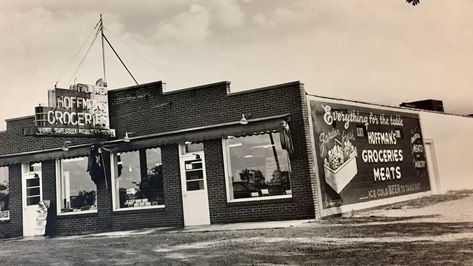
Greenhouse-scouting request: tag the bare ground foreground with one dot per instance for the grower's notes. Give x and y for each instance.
(433, 230)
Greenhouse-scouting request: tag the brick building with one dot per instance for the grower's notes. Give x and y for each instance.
(188, 158)
(203, 155)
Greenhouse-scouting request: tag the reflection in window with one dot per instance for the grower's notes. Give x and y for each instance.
(4, 194)
(257, 167)
(139, 179)
(77, 190)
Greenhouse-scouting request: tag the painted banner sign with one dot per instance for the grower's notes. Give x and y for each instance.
(81, 110)
(367, 154)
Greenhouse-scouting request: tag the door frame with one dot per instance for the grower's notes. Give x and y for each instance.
(431, 157)
(182, 157)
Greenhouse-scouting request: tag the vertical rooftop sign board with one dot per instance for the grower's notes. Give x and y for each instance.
(366, 154)
(79, 111)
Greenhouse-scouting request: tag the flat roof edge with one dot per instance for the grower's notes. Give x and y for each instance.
(19, 118)
(136, 86)
(388, 106)
(226, 83)
(286, 84)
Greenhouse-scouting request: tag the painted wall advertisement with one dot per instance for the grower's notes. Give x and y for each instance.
(367, 154)
(81, 110)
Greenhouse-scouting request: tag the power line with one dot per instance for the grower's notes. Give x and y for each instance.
(86, 53)
(77, 53)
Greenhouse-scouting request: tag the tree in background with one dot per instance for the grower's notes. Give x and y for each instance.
(413, 2)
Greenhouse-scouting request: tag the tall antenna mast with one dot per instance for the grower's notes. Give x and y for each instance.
(103, 49)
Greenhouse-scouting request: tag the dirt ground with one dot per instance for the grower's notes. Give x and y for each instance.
(434, 230)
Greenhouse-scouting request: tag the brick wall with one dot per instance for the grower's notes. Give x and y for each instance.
(145, 109)
(13, 227)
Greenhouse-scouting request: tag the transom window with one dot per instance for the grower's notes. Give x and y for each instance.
(257, 167)
(4, 194)
(77, 191)
(138, 181)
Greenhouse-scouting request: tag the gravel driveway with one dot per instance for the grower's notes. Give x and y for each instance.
(435, 230)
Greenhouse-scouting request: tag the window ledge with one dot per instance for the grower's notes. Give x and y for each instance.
(140, 208)
(77, 213)
(268, 199)
(4, 220)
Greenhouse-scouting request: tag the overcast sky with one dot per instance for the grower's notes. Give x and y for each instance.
(383, 52)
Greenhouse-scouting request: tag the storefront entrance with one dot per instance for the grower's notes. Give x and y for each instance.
(32, 195)
(194, 187)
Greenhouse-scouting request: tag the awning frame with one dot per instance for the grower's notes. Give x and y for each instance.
(196, 134)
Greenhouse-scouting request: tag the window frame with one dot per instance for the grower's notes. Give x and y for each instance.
(59, 187)
(25, 170)
(8, 179)
(228, 186)
(113, 183)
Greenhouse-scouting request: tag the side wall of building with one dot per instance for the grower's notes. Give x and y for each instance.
(451, 139)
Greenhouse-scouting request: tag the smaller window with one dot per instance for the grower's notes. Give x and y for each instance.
(77, 191)
(4, 194)
(193, 147)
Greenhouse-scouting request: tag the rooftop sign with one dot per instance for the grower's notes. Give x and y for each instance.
(81, 110)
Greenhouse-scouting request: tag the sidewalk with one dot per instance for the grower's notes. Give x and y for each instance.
(198, 228)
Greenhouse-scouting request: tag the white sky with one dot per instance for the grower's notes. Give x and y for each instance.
(383, 52)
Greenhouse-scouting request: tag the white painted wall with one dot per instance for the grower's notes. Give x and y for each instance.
(452, 138)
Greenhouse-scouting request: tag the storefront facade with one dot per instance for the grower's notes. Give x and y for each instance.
(139, 157)
(195, 156)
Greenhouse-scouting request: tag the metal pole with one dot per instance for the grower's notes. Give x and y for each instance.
(103, 49)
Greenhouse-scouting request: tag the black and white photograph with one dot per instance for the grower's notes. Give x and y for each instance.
(236, 132)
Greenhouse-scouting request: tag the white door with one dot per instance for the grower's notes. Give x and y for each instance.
(195, 200)
(432, 167)
(32, 194)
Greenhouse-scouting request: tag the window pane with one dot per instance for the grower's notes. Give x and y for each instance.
(78, 191)
(32, 182)
(153, 184)
(197, 174)
(32, 200)
(194, 164)
(32, 191)
(258, 166)
(4, 194)
(194, 147)
(35, 168)
(195, 185)
(139, 180)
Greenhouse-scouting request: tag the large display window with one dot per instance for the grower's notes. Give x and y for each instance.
(257, 167)
(4, 194)
(77, 193)
(138, 180)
